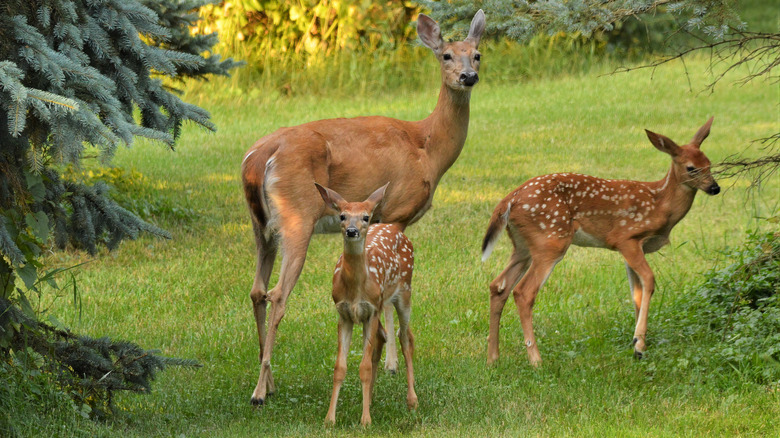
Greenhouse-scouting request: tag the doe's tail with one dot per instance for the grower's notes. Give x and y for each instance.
(497, 224)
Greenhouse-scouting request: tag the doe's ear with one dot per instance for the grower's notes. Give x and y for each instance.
(476, 29)
(377, 196)
(333, 200)
(663, 143)
(430, 33)
(702, 133)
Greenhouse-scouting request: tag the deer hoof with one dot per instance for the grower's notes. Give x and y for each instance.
(257, 401)
(638, 354)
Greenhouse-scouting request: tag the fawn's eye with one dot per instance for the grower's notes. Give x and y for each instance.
(690, 169)
(365, 218)
(477, 57)
(447, 57)
(343, 217)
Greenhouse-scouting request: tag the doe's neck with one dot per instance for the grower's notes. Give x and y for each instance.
(446, 128)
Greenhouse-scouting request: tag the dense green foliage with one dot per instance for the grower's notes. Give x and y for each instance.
(261, 30)
(733, 317)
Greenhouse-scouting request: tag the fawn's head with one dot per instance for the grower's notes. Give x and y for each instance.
(459, 59)
(690, 164)
(355, 217)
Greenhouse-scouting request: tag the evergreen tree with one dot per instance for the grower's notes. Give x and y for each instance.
(72, 73)
(78, 74)
(521, 20)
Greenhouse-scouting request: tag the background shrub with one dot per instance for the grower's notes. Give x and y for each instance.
(733, 317)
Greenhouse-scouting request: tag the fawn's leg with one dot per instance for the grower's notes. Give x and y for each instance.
(371, 342)
(544, 258)
(340, 370)
(499, 292)
(635, 287)
(381, 339)
(405, 337)
(635, 259)
(391, 356)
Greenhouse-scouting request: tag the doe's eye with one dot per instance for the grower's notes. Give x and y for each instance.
(690, 169)
(447, 57)
(477, 57)
(343, 217)
(365, 218)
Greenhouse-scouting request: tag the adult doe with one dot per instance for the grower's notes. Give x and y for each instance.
(548, 213)
(352, 156)
(375, 271)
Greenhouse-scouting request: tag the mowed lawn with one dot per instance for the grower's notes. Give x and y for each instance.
(189, 296)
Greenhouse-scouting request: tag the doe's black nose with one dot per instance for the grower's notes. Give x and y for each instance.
(469, 78)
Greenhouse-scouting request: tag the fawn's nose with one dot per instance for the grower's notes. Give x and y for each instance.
(714, 189)
(352, 232)
(469, 78)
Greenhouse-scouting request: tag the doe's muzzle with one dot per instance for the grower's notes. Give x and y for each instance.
(469, 78)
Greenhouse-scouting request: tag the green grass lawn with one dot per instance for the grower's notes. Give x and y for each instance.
(189, 296)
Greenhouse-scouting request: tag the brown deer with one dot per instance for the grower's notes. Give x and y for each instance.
(351, 156)
(548, 213)
(375, 271)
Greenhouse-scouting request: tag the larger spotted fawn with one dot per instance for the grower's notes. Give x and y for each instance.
(374, 272)
(547, 214)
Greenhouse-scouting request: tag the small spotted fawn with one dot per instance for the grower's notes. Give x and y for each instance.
(548, 213)
(375, 271)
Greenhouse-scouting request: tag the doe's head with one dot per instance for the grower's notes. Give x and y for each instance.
(690, 164)
(459, 60)
(355, 217)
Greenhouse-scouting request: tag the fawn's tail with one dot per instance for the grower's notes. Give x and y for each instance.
(497, 224)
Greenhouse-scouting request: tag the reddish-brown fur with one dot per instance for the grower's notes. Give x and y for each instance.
(374, 272)
(351, 156)
(547, 214)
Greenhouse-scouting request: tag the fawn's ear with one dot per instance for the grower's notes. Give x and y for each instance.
(333, 200)
(430, 33)
(377, 196)
(663, 143)
(476, 29)
(702, 133)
